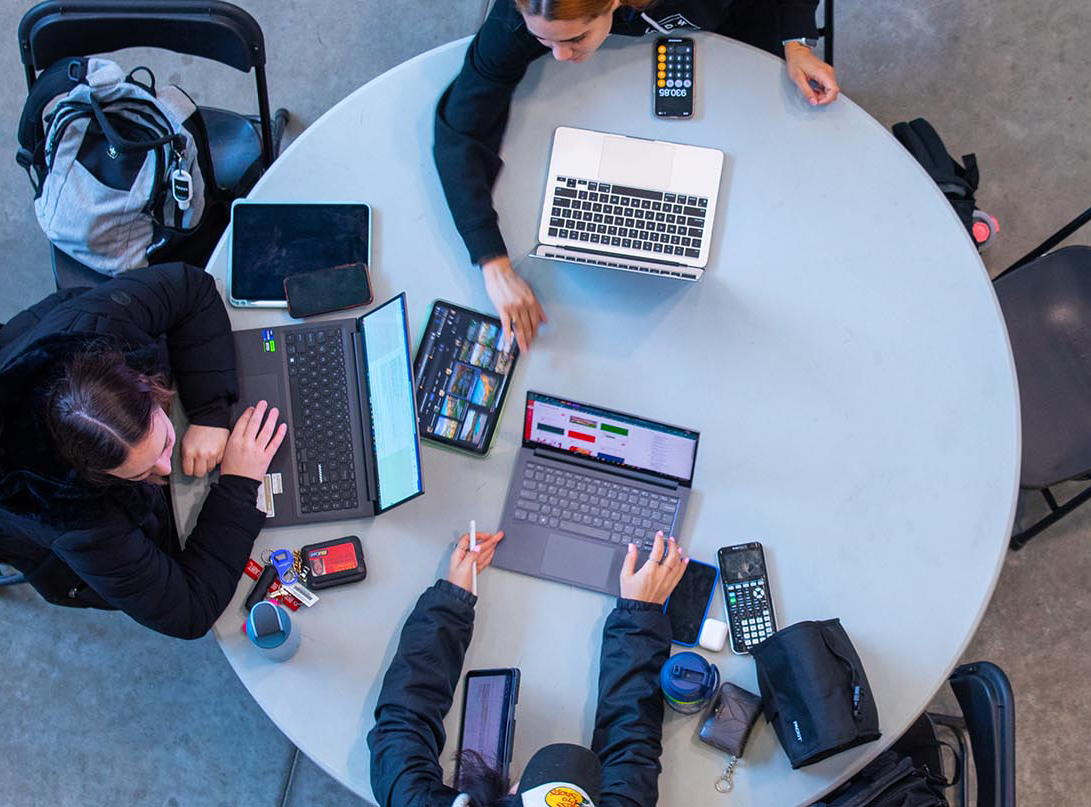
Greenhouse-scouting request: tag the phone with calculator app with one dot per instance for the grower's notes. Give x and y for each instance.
(748, 600)
(673, 77)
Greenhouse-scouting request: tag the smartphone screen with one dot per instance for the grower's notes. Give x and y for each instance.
(688, 603)
(488, 716)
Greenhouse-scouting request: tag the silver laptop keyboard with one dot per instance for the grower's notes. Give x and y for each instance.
(601, 214)
(587, 505)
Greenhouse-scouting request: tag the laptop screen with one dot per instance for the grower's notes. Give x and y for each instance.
(610, 437)
(385, 335)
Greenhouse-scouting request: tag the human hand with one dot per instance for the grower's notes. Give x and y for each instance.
(202, 448)
(460, 571)
(803, 67)
(519, 310)
(658, 576)
(252, 444)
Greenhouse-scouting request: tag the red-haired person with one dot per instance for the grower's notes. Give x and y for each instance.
(86, 447)
(473, 112)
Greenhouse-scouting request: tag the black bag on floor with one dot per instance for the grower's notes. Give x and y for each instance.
(814, 691)
(889, 780)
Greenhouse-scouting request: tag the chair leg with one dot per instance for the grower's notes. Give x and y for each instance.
(280, 123)
(1057, 512)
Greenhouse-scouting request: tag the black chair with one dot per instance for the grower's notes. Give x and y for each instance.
(985, 732)
(1046, 300)
(242, 147)
(826, 32)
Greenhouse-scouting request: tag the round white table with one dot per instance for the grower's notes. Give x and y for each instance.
(844, 359)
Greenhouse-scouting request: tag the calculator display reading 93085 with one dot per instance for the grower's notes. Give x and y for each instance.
(673, 77)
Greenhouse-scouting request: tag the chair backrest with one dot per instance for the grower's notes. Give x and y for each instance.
(988, 706)
(212, 29)
(215, 30)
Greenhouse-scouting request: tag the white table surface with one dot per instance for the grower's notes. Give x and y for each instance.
(844, 359)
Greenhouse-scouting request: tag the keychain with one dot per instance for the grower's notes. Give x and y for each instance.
(181, 183)
(725, 783)
(284, 562)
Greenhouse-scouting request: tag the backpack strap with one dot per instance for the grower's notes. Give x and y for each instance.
(60, 78)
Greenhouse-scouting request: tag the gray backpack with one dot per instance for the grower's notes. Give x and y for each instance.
(121, 168)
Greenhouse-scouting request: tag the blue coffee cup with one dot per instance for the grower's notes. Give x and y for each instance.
(688, 682)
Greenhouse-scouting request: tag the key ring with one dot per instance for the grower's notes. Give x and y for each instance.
(725, 783)
(283, 560)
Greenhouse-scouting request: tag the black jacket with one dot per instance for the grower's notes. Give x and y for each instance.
(473, 111)
(408, 736)
(116, 546)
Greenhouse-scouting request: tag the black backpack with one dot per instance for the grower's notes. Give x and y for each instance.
(958, 182)
(890, 780)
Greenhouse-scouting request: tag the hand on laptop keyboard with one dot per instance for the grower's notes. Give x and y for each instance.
(252, 443)
(519, 310)
(658, 576)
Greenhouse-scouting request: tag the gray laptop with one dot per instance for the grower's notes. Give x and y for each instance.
(345, 388)
(587, 482)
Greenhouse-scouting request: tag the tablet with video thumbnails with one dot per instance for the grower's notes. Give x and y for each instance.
(462, 375)
(272, 241)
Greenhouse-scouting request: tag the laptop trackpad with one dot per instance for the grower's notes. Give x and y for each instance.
(638, 163)
(583, 562)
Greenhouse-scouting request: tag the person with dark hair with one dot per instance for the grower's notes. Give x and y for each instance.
(621, 767)
(86, 446)
(473, 111)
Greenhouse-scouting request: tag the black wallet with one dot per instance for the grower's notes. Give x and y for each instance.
(727, 725)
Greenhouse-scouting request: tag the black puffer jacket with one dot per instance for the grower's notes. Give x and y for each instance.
(408, 736)
(472, 114)
(116, 546)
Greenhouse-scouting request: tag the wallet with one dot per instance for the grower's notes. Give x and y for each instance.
(730, 718)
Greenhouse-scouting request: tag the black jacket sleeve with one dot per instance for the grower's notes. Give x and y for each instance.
(408, 735)
(182, 303)
(180, 595)
(629, 718)
(470, 121)
(797, 18)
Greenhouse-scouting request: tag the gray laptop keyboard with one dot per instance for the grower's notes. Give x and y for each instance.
(601, 214)
(587, 505)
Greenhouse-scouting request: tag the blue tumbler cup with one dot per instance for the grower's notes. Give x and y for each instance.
(688, 682)
(270, 630)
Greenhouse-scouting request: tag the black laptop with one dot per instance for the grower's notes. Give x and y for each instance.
(345, 389)
(589, 481)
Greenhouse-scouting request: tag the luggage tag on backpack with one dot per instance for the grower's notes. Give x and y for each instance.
(181, 187)
(181, 182)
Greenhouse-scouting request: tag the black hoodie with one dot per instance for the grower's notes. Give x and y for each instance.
(473, 111)
(116, 546)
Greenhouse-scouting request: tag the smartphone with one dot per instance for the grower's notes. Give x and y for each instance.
(322, 290)
(488, 717)
(747, 598)
(688, 604)
(673, 77)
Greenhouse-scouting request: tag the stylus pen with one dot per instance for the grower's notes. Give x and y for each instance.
(473, 545)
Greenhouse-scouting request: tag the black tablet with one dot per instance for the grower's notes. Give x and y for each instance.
(462, 378)
(272, 240)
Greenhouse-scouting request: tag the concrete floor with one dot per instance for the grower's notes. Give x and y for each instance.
(101, 711)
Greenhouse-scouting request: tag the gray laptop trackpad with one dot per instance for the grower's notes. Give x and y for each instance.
(254, 388)
(625, 161)
(583, 562)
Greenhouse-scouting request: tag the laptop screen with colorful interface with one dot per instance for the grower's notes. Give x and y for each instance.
(610, 437)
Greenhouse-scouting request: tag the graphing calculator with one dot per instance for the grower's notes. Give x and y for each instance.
(747, 598)
(673, 77)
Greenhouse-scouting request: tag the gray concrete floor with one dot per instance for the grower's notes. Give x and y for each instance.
(101, 711)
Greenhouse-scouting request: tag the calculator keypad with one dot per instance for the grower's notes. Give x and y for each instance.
(674, 67)
(749, 613)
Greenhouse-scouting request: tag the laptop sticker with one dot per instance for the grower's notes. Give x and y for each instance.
(267, 340)
(265, 496)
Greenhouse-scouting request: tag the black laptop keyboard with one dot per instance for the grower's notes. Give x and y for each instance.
(599, 214)
(587, 505)
(321, 428)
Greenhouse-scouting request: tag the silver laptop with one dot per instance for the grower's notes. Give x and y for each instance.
(588, 482)
(627, 203)
(345, 389)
